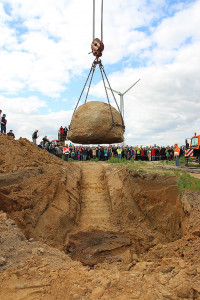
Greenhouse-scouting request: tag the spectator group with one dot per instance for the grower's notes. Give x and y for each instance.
(103, 153)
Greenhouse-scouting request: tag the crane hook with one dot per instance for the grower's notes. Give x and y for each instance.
(97, 47)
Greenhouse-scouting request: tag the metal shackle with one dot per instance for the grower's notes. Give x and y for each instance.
(97, 47)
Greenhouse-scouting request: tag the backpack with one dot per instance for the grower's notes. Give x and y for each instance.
(34, 135)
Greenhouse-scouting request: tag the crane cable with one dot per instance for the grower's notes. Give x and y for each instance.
(93, 20)
(104, 77)
(96, 62)
(101, 20)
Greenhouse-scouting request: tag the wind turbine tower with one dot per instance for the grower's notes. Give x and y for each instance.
(122, 97)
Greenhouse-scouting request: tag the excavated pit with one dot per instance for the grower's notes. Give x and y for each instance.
(93, 211)
(140, 239)
(122, 210)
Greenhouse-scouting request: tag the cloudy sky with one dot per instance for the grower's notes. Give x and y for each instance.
(44, 63)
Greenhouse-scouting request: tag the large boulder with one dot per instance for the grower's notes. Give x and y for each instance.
(92, 123)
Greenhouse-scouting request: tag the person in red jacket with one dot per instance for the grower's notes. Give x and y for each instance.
(153, 154)
(62, 132)
(142, 153)
(176, 154)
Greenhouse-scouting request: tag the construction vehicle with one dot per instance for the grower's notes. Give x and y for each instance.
(193, 148)
(61, 139)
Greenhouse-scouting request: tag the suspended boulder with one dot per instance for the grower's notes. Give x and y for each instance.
(96, 122)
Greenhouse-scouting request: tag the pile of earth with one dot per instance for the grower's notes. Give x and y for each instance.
(93, 231)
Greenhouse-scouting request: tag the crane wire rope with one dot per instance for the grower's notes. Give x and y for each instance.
(101, 67)
(102, 71)
(83, 90)
(93, 20)
(101, 20)
(94, 66)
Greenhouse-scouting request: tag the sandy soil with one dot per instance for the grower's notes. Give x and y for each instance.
(93, 231)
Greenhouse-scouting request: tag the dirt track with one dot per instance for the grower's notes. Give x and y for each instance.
(130, 235)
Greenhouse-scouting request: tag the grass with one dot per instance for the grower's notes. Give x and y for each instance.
(182, 161)
(70, 159)
(187, 182)
(115, 160)
(184, 180)
(191, 162)
(94, 159)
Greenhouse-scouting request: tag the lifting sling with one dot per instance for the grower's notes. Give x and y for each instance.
(97, 47)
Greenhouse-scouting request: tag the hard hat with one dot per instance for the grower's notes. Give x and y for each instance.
(176, 144)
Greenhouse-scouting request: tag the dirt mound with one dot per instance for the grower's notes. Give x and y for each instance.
(20, 154)
(96, 123)
(136, 237)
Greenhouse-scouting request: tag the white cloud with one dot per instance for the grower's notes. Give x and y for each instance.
(164, 106)
(58, 35)
(175, 31)
(49, 43)
(23, 117)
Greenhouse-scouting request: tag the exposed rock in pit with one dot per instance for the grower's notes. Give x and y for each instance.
(97, 246)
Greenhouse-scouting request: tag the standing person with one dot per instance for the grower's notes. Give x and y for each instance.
(131, 151)
(153, 154)
(45, 139)
(53, 149)
(47, 146)
(72, 154)
(10, 133)
(102, 153)
(99, 153)
(109, 152)
(137, 153)
(176, 153)
(157, 153)
(167, 153)
(0, 119)
(79, 153)
(66, 152)
(62, 132)
(142, 154)
(3, 123)
(65, 132)
(34, 137)
(84, 153)
(94, 152)
(119, 153)
(60, 151)
(106, 153)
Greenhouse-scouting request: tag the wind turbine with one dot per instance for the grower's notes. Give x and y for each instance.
(122, 97)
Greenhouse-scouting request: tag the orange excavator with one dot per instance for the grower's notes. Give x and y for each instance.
(193, 148)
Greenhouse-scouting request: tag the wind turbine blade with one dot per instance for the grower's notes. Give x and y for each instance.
(131, 87)
(113, 90)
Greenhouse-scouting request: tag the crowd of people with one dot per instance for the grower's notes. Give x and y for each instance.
(62, 133)
(122, 152)
(103, 153)
(99, 152)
